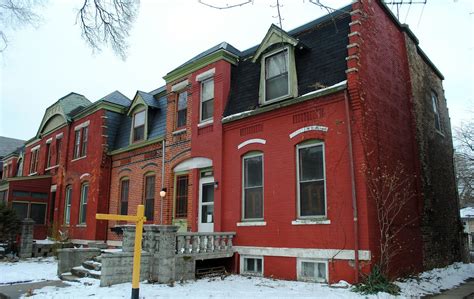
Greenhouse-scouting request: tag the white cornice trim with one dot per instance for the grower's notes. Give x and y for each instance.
(180, 86)
(205, 75)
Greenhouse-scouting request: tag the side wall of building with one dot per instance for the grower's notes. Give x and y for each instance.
(441, 226)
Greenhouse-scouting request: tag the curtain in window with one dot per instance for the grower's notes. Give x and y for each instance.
(276, 76)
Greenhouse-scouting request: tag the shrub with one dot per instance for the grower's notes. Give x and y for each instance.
(9, 226)
(376, 282)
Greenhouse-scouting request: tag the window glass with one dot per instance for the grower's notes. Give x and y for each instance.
(21, 209)
(139, 119)
(276, 75)
(85, 133)
(149, 197)
(253, 187)
(39, 195)
(83, 208)
(124, 187)
(434, 100)
(58, 151)
(314, 271)
(48, 155)
(207, 99)
(77, 143)
(38, 213)
(182, 196)
(311, 179)
(253, 265)
(182, 109)
(20, 193)
(67, 205)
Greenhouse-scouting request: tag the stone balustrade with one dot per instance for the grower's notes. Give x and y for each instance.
(204, 244)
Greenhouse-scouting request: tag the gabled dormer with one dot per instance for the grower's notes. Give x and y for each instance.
(276, 56)
(144, 109)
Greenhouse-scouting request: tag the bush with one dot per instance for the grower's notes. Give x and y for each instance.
(9, 226)
(376, 282)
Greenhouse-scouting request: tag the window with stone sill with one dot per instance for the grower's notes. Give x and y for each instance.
(124, 192)
(207, 100)
(80, 142)
(311, 179)
(67, 205)
(252, 185)
(83, 203)
(34, 161)
(312, 270)
(182, 110)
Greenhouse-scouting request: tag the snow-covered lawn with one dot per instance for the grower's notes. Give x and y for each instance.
(30, 270)
(232, 286)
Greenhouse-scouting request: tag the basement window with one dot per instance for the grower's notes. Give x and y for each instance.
(312, 270)
(251, 266)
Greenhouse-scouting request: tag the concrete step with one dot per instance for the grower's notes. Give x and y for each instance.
(97, 259)
(83, 272)
(69, 277)
(92, 265)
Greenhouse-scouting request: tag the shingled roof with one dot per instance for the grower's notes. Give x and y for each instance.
(9, 145)
(321, 61)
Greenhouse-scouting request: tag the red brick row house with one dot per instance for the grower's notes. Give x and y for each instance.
(280, 143)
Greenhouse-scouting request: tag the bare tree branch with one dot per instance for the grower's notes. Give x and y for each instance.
(107, 22)
(14, 14)
(227, 6)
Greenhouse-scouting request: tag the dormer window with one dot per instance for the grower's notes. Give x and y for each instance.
(139, 126)
(276, 76)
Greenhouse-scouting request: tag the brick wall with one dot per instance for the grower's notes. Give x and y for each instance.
(441, 226)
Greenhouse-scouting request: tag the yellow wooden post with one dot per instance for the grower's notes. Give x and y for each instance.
(139, 219)
(137, 253)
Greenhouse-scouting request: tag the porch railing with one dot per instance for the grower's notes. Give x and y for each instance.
(204, 243)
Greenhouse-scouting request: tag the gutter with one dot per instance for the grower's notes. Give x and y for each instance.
(354, 196)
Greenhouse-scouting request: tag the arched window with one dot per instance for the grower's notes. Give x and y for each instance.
(149, 196)
(83, 203)
(311, 179)
(124, 191)
(252, 186)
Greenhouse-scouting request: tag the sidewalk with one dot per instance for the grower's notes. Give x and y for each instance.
(14, 291)
(465, 290)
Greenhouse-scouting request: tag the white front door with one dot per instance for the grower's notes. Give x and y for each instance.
(206, 205)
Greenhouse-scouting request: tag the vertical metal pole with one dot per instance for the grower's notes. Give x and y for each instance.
(137, 252)
(162, 179)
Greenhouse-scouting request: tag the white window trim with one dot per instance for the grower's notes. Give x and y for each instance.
(435, 104)
(298, 147)
(79, 158)
(59, 136)
(206, 75)
(264, 85)
(49, 140)
(247, 156)
(177, 132)
(251, 141)
(80, 126)
(178, 87)
(242, 265)
(252, 223)
(205, 123)
(211, 119)
(35, 148)
(299, 268)
(323, 220)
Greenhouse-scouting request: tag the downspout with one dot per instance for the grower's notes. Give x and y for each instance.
(163, 147)
(354, 196)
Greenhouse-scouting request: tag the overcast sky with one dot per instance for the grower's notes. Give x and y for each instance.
(43, 64)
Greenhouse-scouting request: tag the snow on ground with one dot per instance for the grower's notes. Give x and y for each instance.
(30, 270)
(436, 280)
(45, 241)
(234, 286)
